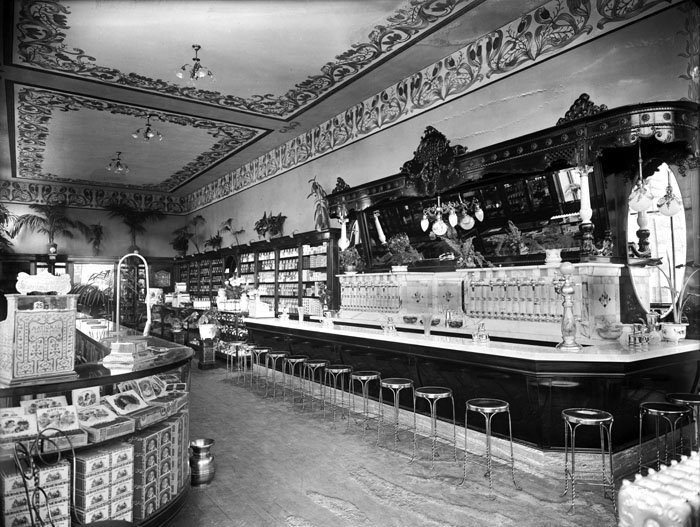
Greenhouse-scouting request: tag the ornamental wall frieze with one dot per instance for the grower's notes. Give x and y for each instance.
(87, 196)
(542, 33)
(35, 109)
(42, 27)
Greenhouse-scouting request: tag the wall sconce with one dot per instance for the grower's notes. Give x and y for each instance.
(470, 213)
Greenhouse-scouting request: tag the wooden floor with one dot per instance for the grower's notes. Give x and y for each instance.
(279, 466)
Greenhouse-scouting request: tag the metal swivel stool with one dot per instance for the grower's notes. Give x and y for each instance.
(693, 401)
(488, 408)
(672, 414)
(331, 375)
(395, 384)
(256, 360)
(271, 364)
(573, 418)
(243, 356)
(313, 368)
(433, 394)
(364, 378)
(230, 351)
(290, 364)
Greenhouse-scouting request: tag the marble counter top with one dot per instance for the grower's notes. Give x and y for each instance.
(613, 351)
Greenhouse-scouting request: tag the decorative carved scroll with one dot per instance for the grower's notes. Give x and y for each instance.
(582, 107)
(433, 159)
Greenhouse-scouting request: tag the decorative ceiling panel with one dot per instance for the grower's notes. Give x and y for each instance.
(49, 124)
(309, 50)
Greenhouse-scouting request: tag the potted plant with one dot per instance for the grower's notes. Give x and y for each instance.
(97, 294)
(350, 260)
(51, 220)
(182, 240)
(675, 330)
(322, 219)
(227, 226)
(5, 218)
(269, 225)
(402, 253)
(467, 255)
(214, 241)
(95, 238)
(553, 239)
(134, 219)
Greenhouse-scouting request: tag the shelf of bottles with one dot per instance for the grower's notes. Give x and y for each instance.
(294, 273)
(203, 277)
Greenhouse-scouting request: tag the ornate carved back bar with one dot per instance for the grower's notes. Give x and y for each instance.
(590, 138)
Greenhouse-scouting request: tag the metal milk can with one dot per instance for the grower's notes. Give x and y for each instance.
(202, 468)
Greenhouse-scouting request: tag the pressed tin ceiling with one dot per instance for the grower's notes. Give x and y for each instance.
(81, 75)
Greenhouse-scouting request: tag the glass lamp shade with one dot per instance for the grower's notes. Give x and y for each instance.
(478, 213)
(640, 199)
(439, 227)
(669, 204)
(467, 222)
(452, 218)
(424, 223)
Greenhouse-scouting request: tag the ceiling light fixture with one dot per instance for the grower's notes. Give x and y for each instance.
(147, 132)
(117, 166)
(195, 71)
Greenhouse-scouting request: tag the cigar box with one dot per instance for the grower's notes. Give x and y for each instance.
(100, 432)
(92, 500)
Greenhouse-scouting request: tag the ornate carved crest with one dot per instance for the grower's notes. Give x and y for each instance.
(43, 283)
(434, 158)
(582, 107)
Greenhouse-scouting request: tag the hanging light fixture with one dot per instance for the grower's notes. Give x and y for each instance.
(147, 132)
(463, 214)
(640, 198)
(117, 166)
(669, 204)
(194, 71)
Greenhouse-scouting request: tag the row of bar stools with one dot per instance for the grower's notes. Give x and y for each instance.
(364, 378)
(290, 364)
(271, 361)
(433, 394)
(395, 385)
(331, 377)
(488, 408)
(314, 368)
(573, 418)
(671, 413)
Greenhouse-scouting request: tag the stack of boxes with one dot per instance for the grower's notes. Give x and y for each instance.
(55, 482)
(104, 479)
(161, 464)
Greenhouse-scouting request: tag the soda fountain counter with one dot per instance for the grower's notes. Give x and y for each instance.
(515, 357)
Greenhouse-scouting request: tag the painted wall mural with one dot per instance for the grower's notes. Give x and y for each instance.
(42, 26)
(35, 110)
(542, 33)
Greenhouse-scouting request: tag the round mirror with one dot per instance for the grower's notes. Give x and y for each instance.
(667, 241)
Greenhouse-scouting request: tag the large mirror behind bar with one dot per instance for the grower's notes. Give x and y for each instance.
(656, 236)
(510, 219)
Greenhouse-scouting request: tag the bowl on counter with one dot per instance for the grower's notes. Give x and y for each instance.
(455, 323)
(610, 332)
(410, 319)
(435, 322)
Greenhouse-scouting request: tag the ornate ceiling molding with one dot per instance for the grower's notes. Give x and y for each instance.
(542, 33)
(42, 26)
(35, 108)
(87, 197)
